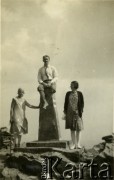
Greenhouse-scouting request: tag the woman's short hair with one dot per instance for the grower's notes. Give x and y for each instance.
(76, 84)
(20, 90)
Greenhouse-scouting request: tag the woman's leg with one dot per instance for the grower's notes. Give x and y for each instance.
(73, 137)
(19, 140)
(78, 138)
(15, 140)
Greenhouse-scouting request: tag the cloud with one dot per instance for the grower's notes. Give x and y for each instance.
(55, 8)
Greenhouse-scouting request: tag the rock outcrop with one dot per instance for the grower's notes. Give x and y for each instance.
(22, 165)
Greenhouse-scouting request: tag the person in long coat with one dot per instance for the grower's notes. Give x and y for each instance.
(18, 120)
(73, 109)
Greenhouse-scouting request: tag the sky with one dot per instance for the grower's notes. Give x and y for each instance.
(78, 35)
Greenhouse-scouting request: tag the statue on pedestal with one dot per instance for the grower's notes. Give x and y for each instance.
(48, 118)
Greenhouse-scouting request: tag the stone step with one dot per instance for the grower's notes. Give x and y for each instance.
(52, 144)
(40, 150)
(33, 150)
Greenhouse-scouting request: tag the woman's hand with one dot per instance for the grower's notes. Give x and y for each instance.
(11, 121)
(64, 116)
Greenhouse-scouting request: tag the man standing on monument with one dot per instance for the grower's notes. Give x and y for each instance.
(47, 77)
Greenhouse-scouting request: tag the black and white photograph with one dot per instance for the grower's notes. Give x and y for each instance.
(57, 89)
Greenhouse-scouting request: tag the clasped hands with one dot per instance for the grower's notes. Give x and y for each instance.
(47, 84)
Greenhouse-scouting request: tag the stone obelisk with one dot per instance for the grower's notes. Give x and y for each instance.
(48, 119)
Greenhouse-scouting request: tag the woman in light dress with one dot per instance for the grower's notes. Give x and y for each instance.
(73, 109)
(19, 124)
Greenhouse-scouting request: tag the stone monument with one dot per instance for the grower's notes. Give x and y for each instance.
(49, 129)
(48, 120)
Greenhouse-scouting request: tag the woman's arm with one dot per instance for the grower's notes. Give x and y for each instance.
(12, 110)
(31, 106)
(82, 101)
(66, 102)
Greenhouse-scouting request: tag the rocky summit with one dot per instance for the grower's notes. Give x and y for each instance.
(60, 163)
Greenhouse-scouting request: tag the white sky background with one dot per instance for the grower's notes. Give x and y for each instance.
(79, 38)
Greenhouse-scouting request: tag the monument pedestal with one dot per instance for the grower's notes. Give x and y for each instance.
(44, 146)
(48, 119)
(48, 144)
(39, 147)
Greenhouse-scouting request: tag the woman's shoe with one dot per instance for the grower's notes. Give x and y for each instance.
(72, 147)
(79, 147)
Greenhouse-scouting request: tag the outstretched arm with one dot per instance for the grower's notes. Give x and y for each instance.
(31, 106)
